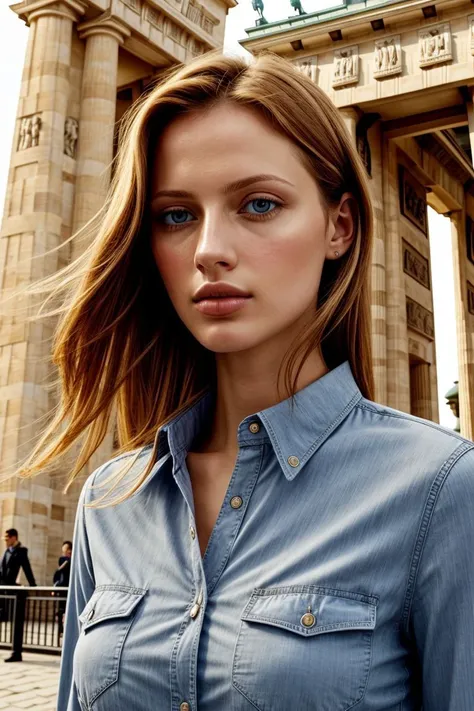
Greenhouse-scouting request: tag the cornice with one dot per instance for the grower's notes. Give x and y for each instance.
(311, 25)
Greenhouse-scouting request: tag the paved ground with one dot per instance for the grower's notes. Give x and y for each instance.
(30, 684)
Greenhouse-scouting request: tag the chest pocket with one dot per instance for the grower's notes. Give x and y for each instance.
(105, 623)
(304, 647)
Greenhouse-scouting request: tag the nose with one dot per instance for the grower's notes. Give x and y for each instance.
(215, 249)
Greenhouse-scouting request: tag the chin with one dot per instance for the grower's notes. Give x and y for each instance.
(226, 338)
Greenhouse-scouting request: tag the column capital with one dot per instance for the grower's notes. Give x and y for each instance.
(105, 24)
(351, 112)
(29, 11)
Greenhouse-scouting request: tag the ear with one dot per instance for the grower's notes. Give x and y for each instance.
(342, 227)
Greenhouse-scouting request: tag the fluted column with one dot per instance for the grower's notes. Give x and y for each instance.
(420, 390)
(463, 329)
(32, 227)
(398, 375)
(351, 116)
(470, 120)
(103, 37)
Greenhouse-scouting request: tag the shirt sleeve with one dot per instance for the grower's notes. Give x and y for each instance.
(81, 587)
(442, 616)
(25, 564)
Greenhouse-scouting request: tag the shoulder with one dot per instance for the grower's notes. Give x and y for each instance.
(419, 429)
(119, 473)
(410, 447)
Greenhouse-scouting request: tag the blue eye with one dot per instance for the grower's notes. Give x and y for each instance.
(178, 217)
(261, 205)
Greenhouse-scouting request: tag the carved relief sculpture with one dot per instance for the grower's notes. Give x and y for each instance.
(420, 319)
(346, 66)
(308, 66)
(30, 128)
(71, 132)
(133, 4)
(435, 44)
(413, 199)
(388, 57)
(471, 32)
(197, 14)
(154, 17)
(470, 297)
(416, 265)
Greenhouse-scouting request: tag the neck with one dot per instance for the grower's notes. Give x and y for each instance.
(247, 382)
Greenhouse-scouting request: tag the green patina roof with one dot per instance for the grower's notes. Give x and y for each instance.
(350, 7)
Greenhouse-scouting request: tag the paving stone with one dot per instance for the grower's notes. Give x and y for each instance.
(29, 685)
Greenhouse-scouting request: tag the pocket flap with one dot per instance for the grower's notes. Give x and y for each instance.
(110, 601)
(330, 609)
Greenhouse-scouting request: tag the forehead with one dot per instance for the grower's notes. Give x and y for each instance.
(225, 139)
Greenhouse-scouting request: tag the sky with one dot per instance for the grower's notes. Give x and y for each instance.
(13, 37)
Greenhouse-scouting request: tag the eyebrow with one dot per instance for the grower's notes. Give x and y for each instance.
(229, 188)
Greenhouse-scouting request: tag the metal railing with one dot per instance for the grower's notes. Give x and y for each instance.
(32, 618)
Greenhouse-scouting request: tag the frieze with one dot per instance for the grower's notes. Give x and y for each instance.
(133, 5)
(420, 319)
(30, 129)
(412, 199)
(346, 66)
(416, 265)
(307, 66)
(388, 57)
(470, 297)
(434, 45)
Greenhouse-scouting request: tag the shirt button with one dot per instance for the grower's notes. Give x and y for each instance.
(254, 427)
(293, 461)
(308, 620)
(192, 532)
(185, 707)
(236, 502)
(91, 614)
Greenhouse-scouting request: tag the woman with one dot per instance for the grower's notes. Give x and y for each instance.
(268, 538)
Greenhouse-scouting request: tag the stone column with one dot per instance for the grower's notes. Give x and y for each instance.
(420, 390)
(378, 274)
(470, 119)
(351, 116)
(464, 333)
(97, 120)
(32, 225)
(398, 376)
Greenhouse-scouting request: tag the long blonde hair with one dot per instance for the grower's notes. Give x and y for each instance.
(116, 356)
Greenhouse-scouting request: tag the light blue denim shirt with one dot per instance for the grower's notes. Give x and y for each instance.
(339, 574)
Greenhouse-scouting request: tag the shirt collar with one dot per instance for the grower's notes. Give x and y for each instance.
(295, 427)
(298, 426)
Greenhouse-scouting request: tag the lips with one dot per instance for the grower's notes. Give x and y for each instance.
(220, 299)
(219, 290)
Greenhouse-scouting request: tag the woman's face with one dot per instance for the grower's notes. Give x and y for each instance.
(236, 212)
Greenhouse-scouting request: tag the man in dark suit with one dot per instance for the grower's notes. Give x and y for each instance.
(14, 558)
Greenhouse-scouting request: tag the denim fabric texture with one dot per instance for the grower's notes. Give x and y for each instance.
(342, 578)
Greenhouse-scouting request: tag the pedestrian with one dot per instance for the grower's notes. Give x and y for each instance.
(63, 571)
(14, 559)
(267, 537)
(61, 580)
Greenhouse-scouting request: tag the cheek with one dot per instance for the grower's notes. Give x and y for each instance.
(173, 266)
(295, 261)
